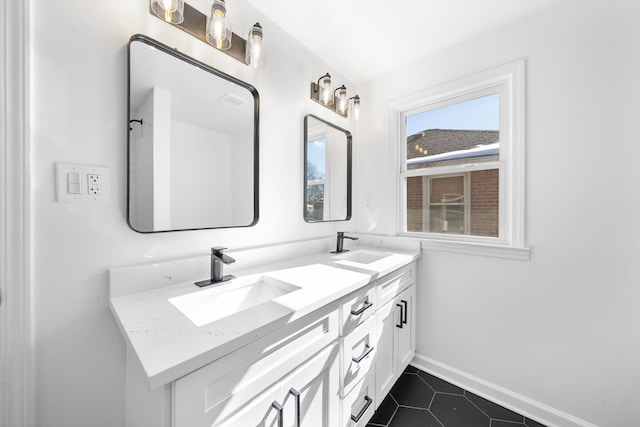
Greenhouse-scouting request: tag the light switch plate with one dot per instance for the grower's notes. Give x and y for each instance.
(94, 183)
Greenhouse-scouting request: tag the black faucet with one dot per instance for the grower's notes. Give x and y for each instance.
(218, 259)
(340, 243)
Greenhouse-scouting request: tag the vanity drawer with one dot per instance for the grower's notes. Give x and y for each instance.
(356, 308)
(392, 284)
(358, 406)
(217, 390)
(357, 355)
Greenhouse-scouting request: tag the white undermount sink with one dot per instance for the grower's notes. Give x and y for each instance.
(223, 300)
(361, 256)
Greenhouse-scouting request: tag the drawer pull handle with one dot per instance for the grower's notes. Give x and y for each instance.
(296, 394)
(404, 312)
(356, 418)
(361, 310)
(278, 407)
(399, 325)
(367, 349)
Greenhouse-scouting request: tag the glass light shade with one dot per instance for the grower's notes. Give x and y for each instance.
(325, 94)
(255, 55)
(171, 11)
(218, 28)
(355, 109)
(342, 102)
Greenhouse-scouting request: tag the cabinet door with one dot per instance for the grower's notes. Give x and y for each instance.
(311, 392)
(405, 303)
(396, 340)
(387, 318)
(263, 411)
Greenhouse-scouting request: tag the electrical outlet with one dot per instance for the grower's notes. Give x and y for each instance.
(94, 184)
(82, 183)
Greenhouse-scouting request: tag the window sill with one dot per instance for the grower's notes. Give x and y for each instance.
(482, 249)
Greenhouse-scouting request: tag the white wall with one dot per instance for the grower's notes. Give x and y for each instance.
(562, 328)
(78, 115)
(200, 177)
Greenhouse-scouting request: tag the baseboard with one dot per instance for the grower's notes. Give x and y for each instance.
(530, 408)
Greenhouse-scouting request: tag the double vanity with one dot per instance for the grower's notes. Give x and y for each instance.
(312, 339)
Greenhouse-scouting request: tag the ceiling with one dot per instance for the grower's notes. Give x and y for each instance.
(365, 39)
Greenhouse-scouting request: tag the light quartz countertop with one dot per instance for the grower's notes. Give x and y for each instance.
(169, 343)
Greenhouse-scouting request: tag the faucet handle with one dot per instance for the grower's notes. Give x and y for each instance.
(341, 234)
(217, 252)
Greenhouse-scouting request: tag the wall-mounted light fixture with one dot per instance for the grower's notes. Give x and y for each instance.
(355, 106)
(335, 100)
(213, 29)
(255, 55)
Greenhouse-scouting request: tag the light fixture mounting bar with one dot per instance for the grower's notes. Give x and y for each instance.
(195, 23)
(315, 95)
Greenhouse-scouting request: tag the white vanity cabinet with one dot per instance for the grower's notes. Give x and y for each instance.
(395, 328)
(324, 367)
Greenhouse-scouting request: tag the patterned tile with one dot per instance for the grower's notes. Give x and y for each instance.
(531, 423)
(410, 390)
(493, 410)
(385, 411)
(419, 399)
(406, 417)
(499, 423)
(439, 385)
(457, 411)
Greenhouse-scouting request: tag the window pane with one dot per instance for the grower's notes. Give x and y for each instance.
(315, 202)
(461, 204)
(456, 134)
(316, 155)
(446, 205)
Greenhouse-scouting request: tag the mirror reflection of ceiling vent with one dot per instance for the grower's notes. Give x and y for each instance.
(232, 99)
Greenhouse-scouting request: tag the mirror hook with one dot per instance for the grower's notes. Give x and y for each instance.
(137, 121)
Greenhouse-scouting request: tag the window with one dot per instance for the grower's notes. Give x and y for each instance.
(462, 160)
(316, 177)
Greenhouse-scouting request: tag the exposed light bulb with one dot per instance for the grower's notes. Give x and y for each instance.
(218, 31)
(324, 87)
(356, 107)
(169, 10)
(169, 5)
(341, 100)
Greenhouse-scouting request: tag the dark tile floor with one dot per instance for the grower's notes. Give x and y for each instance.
(419, 399)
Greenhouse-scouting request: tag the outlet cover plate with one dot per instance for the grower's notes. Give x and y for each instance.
(94, 183)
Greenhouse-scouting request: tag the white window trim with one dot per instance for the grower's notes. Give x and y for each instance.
(511, 244)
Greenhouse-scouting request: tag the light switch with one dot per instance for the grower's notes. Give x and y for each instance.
(74, 183)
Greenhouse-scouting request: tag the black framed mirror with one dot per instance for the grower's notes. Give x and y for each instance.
(192, 145)
(327, 171)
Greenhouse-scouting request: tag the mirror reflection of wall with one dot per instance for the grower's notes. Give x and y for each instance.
(193, 158)
(327, 171)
